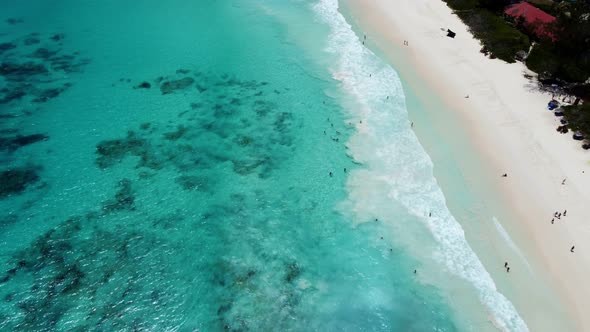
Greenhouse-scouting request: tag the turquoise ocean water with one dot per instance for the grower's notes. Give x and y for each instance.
(218, 165)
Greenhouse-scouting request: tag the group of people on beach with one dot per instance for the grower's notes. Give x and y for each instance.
(556, 214)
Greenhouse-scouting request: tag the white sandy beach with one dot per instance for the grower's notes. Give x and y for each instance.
(507, 119)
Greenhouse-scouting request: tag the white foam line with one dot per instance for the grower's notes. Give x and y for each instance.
(396, 166)
(511, 244)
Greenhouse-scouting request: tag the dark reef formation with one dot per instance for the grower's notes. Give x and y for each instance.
(16, 142)
(57, 37)
(14, 20)
(6, 47)
(64, 267)
(143, 85)
(224, 108)
(31, 40)
(123, 264)
(180, 84)
(37, 73)
(19, 72)
(15, 181)
(188, 182)
(113, 151)
(123, 200)
(32, 73)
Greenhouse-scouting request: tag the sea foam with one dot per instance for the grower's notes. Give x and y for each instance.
(396, 169)
(506, 237)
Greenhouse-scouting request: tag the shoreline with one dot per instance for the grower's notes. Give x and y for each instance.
(506, 120)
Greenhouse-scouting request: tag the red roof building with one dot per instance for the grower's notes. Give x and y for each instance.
(534, 18)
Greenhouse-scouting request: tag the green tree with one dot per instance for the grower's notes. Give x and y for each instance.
(494, 5)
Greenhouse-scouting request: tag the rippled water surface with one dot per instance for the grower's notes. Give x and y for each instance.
(182, 165)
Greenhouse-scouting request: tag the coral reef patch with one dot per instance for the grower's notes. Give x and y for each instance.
(180, 84)
(15, 181)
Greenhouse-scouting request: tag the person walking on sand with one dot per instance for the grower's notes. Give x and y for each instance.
(508, 269)
(563, 182)
(564, 212)
(505, 264)
(572, 249)
(552, 220)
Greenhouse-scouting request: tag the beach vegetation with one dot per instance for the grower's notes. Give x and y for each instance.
(502, 39)
(567, 57)
(578, 118)
(561, 49)
(547, 6)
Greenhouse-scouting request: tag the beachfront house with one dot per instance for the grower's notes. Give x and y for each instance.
(531, 18)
